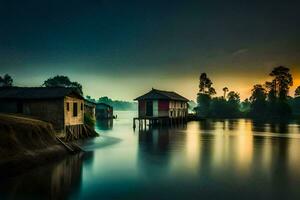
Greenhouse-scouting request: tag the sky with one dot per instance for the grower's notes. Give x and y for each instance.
(123, 48)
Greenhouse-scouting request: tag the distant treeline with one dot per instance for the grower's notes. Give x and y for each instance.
(267, 101)
(116, 104)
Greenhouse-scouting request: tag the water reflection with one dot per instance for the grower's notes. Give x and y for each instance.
(154, 141)
(52, 182)
(106, 124)
(212, 159)
(226, 150)
(152, 155)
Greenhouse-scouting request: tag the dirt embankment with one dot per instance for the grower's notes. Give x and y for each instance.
(26, 142)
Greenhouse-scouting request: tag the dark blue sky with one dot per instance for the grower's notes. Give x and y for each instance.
(122, 48)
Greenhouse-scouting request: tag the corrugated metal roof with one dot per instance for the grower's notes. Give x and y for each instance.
(37, 92)
(155, 94)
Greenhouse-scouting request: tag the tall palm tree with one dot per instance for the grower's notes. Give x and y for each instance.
(225, 90)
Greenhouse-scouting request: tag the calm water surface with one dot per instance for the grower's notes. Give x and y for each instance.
(222, 159)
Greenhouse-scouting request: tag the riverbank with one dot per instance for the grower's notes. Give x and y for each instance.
(25, 143)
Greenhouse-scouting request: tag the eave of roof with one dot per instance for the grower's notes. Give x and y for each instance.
(155, 94)
(28, 93)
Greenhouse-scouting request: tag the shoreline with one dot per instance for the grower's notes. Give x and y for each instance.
(26, 143)
(19, 164)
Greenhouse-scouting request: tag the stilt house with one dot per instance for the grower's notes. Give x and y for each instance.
(104, 111)
(62, 107)
(162, 104)
(90, 108)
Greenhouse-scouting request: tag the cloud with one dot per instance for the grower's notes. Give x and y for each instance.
(239, 52)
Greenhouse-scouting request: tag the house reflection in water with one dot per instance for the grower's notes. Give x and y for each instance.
(104, 124)
(57, 181)
(153, 152)
(154, 140)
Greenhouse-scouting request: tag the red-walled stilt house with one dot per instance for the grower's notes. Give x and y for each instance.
(162, 104)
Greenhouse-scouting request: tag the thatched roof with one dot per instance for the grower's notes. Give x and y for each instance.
(161, 95)
(37, 92)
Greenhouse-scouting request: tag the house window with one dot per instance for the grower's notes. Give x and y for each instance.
(75, 109)
(81, 106)
(68, 106)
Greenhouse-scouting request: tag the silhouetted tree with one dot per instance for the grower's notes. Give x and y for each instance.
(222, 108)
(245, 107)
(270, 100)
(233, 103)
(233, 96)
(278, 90)
(117, 104)
(90, 99)
(204, 96)
(282, 81)
(259, 93)
(62, 81)
(295, 106)
(271, 96)
(297, 91)
(205, 85)
(225, 90)
(218, 107)
(258, 101)
(6, 81)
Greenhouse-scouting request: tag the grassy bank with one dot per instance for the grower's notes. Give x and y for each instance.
(26, 142)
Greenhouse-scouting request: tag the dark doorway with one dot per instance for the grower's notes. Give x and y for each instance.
(149, 108)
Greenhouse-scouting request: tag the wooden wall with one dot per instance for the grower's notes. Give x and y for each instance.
(69, 119)
(46, 110)
(178, 109)
(165, 108)
(8, 106)
(49, 110)
(142, 108)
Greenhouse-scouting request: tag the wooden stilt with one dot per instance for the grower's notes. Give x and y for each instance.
(134, 123)
(149, 122)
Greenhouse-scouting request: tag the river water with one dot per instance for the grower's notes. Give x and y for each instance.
(214, 159)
